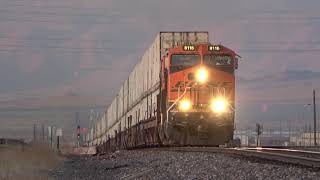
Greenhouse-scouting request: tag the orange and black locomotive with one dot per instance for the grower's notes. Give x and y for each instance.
(198, 95)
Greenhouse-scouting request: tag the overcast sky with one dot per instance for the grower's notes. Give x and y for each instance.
(78, 52)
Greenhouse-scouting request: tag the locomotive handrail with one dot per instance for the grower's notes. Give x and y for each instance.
(178, 99)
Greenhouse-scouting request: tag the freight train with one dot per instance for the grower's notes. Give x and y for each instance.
(182, 92)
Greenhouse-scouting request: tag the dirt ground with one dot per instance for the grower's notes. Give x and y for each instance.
(27, 162)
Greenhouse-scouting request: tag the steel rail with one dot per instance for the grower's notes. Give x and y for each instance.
(290, 158)
(297, 152)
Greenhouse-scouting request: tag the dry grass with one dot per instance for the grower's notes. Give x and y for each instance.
(27, 162)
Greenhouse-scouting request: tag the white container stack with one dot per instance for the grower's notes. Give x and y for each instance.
(137, 96)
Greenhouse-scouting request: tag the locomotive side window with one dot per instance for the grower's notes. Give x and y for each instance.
(218, 60)
(183, 61)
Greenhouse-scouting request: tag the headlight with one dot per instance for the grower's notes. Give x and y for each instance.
(184, 105)
(202, 75)
(219, 105)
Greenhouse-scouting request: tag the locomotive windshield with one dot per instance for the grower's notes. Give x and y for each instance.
(183, 61)
(217, 60)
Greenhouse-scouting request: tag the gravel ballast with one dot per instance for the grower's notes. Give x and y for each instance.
(156, 164)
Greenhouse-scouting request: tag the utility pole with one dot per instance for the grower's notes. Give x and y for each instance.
(289, 122)
(280, 128)
(314, 118)
(58, 134)
(58, 143)
(310, 135)
(34, 132)
(51, 136)
(42, 126)
(259, 132)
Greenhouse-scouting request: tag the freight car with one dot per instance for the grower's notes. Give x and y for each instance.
(182, 92)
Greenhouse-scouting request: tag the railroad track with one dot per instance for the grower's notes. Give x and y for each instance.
(297, 157)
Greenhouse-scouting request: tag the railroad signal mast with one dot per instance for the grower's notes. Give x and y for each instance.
(259, 132)
(77, 129)
(78, 136)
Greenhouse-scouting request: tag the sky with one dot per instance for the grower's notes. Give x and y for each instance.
(76, 53)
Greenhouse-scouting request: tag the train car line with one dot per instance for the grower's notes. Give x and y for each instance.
(182, 92)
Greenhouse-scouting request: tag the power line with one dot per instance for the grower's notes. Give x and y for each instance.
(312, 42)
(27, 43)
(64, 49)
(53, 21)
(133, 40)
(50, 14)
(279, 50)
(8, 47)
(2, 38)
(60, 7)
(53, 47)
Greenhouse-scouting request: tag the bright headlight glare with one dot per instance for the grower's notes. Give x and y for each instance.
(219, 105)
(202, 75)
(184, 105)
